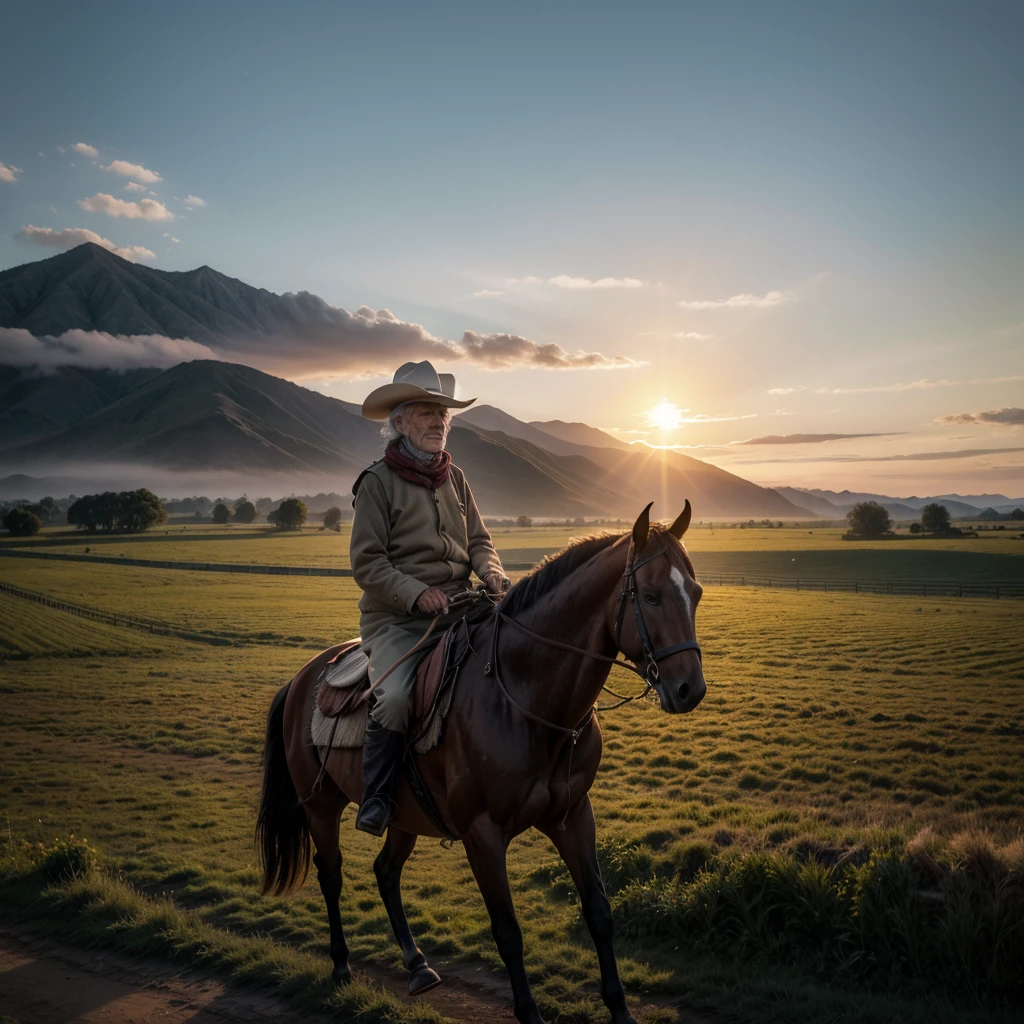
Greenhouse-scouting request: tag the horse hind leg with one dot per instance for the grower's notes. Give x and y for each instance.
(388, 869)
(323, 827)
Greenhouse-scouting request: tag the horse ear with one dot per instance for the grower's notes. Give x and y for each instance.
(678, 528)
(641, 528)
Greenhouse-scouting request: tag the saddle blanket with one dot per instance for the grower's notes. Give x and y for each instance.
(345, 676)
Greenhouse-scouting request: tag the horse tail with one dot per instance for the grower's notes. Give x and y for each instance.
(282, 831)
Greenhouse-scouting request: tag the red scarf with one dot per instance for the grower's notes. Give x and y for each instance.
(431, 474)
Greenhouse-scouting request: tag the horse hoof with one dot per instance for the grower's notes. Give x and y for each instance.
(341, 976)
(423, 979)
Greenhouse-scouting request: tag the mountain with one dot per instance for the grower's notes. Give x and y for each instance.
(33, 403)
(212, 415)
(487, 417)
(91, 289)
(812, 501)
(208, 416)
(579, 433)
(898, 508)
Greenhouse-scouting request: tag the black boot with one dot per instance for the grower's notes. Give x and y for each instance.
(381, 756)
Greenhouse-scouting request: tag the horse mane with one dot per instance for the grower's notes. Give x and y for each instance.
(555, 568)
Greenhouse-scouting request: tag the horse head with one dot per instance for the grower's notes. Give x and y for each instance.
(655, 617)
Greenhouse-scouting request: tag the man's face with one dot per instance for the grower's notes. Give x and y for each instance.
(426, 425)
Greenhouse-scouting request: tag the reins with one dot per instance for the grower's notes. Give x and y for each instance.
(630, 595)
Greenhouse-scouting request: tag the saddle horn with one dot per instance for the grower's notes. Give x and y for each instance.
(678, 528)
(642, 528)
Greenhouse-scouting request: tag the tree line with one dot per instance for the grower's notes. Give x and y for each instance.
(869, 521)
(134, 511)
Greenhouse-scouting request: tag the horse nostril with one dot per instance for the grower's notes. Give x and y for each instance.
(684, 691)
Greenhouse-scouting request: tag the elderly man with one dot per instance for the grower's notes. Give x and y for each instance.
(416, 535)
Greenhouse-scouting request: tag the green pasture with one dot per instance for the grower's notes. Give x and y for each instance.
(993, 557)
(833, 724)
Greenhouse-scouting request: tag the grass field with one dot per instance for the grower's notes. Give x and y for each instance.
(791, 552)
(833, 724)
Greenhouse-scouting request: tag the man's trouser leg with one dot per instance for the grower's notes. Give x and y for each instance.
(389, 720)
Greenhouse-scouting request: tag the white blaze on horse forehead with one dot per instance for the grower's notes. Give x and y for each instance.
(679, 579)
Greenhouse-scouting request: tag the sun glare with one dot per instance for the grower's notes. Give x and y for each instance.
(666, 416)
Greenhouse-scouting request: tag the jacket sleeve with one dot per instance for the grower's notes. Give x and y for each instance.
(372, 570)
(482, 556)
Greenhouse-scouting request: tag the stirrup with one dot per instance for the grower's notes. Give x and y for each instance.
(375, 813)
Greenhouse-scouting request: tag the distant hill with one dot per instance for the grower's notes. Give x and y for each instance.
(91, 289)
(32, 404)
(580, 433)
(212, 415)
(208, 416)
(898, 508)
(487, 417)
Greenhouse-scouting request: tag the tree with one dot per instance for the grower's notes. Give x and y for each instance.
(935, 518)
(1017, 514)
(915, 527)
(131, 511)
(139, 510)
(524, 521)
(22, 522)
(245, 512)
(289, 515)
(221, 513)
(46, 509)
(332, 518)
(867, 520)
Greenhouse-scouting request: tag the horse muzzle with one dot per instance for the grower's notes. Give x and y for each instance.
(680, 695)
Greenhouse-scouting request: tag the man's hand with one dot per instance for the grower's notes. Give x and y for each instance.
(433, 601)
(497, 583)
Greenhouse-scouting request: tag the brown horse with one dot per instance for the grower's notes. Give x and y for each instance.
(520, 749)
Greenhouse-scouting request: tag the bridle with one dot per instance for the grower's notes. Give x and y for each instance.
(631, 594)
(649, 673)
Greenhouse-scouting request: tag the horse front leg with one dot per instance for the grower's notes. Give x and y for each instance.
(323, 827)
(576, 844)
(388, 869)
(485, 848)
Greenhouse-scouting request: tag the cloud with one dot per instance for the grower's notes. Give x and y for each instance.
(193, 202)
(9, 173)
(500, 351)
(743, 301)
(963, 453)
(134, 186)
(86, 150)
(1008, 417)
(144, 209)
(692, 336)
(128, 170)
(95, 349)
(172, 238)
(68, 238)
(581, 283)
(915, 385)
(486, 293)
(804, 438)
(706, 418)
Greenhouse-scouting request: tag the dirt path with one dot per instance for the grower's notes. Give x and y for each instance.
(43, 982)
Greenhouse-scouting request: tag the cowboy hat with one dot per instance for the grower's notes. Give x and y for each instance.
(414, 382)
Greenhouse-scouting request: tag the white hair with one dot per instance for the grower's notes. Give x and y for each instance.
(389, 431)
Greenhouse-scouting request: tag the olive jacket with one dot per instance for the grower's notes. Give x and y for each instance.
(407, 538)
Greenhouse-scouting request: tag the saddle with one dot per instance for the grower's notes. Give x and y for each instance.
(344, 688)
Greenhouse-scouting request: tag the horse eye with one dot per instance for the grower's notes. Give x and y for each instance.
(651, 598)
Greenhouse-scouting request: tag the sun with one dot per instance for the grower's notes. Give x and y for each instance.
(666, 416)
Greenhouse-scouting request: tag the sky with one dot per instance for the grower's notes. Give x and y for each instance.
(787, 238)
